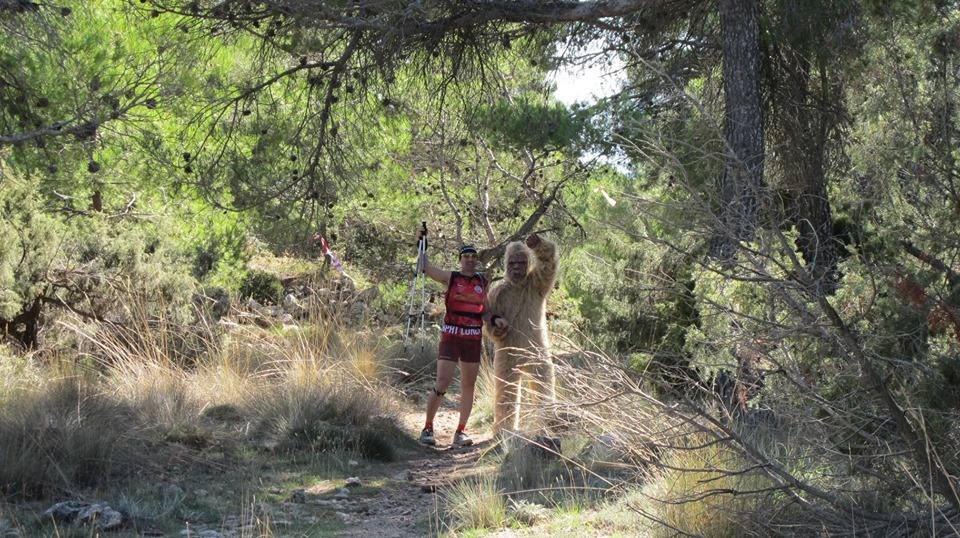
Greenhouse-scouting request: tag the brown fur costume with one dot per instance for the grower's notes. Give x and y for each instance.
(522, 361)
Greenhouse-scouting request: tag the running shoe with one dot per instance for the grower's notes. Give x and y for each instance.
(426, 437)
(462, 439)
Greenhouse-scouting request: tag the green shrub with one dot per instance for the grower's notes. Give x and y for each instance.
(213, 301)
(220, 248)
(262, 287)
(90, 262)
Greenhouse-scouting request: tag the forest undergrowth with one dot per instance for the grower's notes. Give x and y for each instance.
(755, 322)
(143, 418)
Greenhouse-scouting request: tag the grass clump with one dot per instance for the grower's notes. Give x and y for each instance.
(324, 395)
(484, 402)
(319, 390)
(527, 470)
(306, 411)
(709, 491)
(63, 435)
(476, 503)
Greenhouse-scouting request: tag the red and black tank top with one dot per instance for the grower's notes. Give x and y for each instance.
(464, 301)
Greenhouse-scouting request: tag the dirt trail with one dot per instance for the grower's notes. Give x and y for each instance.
(411, 493)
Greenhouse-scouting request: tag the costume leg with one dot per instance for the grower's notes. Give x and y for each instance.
(506, 389)
(540, 379)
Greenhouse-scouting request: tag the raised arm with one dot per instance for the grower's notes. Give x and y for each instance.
(545, 272)
(435, 273)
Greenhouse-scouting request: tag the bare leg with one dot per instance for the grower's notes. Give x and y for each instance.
(445, 371)
(468, 382)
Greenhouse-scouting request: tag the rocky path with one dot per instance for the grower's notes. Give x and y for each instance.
(394, 500)
(409, 502)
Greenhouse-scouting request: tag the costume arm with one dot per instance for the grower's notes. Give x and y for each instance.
(489, 307)
(545, 272)
(491, 310)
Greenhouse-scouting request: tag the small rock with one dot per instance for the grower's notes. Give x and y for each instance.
(298, 496)
(527, 512)
(293, 307)
(403, 476)
(606, 439)
(80, 513)
(343, 493)
(201, 492)
(171, 491)
(353, 463)
(353, 507)
(353, 482)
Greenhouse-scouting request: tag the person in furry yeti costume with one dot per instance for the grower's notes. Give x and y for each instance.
(521, 360)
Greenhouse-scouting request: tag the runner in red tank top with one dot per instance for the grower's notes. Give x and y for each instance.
(460, 341)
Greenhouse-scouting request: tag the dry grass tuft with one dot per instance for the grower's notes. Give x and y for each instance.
(706, 492)
(68, 434)
(483, 402)
(62, 427)
(475, 503)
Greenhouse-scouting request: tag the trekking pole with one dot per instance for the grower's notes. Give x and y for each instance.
(423, 289)
(418, 281)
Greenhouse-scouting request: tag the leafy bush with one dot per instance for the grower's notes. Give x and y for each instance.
(220, 250)
(262, 287)
(87, 263)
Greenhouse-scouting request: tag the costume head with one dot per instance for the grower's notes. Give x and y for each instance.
(516, 261)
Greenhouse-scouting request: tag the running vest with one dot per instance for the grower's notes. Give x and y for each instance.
(464, 301)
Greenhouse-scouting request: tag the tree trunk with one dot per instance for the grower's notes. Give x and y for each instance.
(24, 328)
(742, 180)
(804, 127)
